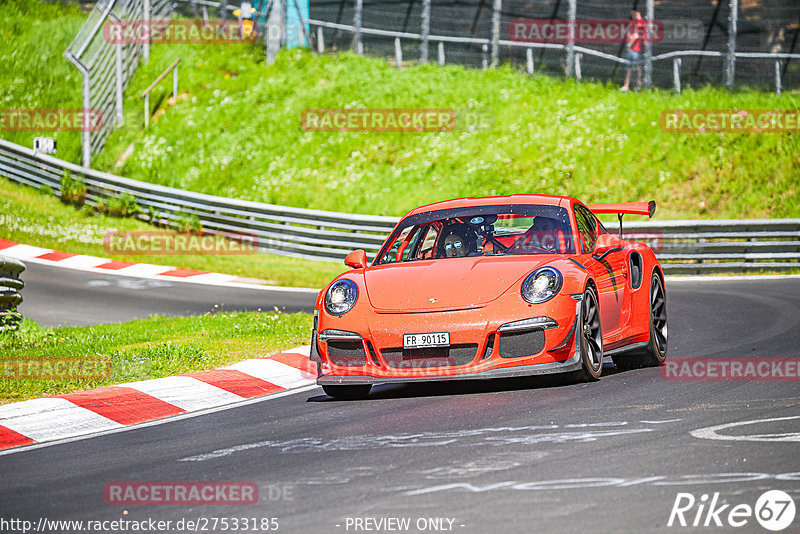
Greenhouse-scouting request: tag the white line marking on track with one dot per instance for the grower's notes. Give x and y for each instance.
(660, 422)
(158, 422)
(52, 418)
(712, 432)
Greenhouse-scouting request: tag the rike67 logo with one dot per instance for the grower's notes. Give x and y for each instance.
(774, 510)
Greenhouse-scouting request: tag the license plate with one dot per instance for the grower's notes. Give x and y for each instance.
(432, 339)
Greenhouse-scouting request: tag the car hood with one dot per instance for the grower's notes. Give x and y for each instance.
(445, 284)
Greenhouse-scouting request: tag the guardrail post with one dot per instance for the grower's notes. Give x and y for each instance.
(320, 40)
(425, 30)
(441, 53)
(676, 73)
(497, 6)
(118, 81)
(529, 60)
(572, 15)
(284, 5)
(86, 135)
(398, 53)
(485, 58)
(648, 46)
(778, 77)
(273, 39)
(357, 27)
(146, 110)
(578, 66)
(730, 59)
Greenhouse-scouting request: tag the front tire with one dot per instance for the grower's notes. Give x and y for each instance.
(352, 392)
(591, 333)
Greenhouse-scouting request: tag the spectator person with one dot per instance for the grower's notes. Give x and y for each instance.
(633, 49)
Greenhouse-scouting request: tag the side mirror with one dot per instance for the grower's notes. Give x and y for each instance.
(606, 244)
(356, 259)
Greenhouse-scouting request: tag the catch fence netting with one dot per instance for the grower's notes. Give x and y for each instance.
(764, 26)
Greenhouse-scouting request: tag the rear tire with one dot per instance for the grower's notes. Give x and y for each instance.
(591, 333)
(655, 353)
(352, 392)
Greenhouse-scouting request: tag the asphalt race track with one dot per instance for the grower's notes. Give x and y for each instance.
(57, 296)
(539, 455)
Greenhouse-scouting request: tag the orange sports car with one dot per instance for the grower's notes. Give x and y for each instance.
(492, 287)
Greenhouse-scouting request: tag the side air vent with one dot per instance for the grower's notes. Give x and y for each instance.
(636, 266)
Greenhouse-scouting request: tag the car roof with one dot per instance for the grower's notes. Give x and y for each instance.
(468, 202)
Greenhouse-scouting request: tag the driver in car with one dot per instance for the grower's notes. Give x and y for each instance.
(458, 240)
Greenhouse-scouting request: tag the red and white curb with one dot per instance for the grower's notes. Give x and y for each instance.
(114, 407)
(96, 264)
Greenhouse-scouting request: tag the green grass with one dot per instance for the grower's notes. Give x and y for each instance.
(33, 72)
(237, 133)
(27, 216)
(147, 348)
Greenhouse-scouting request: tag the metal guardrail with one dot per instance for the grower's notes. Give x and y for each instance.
(721, 246)
(304, 233)
(684, 247)
(10, 297)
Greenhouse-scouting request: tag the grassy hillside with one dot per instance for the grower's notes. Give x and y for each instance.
(33, 72)
(235, 131)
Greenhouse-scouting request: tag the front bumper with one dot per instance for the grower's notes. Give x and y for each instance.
(378, 345)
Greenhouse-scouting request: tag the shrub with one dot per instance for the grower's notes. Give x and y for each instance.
(73, 190)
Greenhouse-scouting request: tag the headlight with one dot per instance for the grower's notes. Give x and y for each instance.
(341, 296)
(541, 285)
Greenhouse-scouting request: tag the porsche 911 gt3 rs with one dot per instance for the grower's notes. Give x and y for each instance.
(492, 287)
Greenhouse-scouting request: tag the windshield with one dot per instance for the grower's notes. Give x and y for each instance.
(480, 231)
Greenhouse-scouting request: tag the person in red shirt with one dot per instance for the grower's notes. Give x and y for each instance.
(633, 48)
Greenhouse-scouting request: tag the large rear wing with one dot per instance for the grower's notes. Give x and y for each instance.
(621, 208)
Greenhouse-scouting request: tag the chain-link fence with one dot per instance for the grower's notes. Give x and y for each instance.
(107, 67)
(706, 27)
